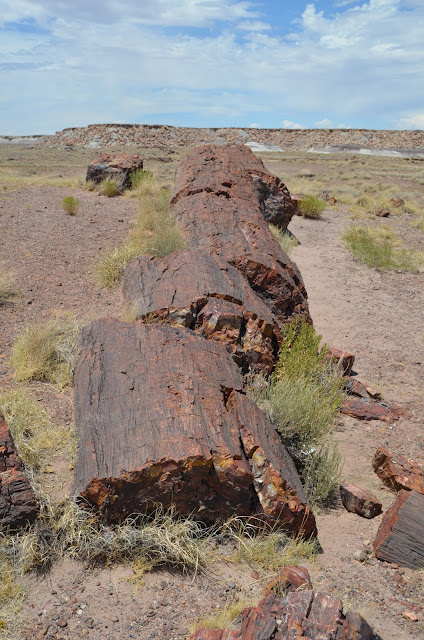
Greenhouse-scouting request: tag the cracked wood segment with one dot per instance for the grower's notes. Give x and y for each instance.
(154, 427)
(18, 505)
(216, 203)
(400, 537)
(302, 614)
(398, 472)
(197, 290)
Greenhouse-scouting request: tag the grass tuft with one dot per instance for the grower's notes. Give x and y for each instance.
(46, 352)
(140, 176)
(380, 248)
(286, 240)
(154, 232)
(311, 206)
(228, 616)
(70, 205)
(8, 289)
(109, 188)
(11, 600)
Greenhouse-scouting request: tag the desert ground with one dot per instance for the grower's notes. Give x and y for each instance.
(377, 314)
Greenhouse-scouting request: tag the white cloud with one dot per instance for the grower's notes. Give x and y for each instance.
(288, 124)
(412, 122)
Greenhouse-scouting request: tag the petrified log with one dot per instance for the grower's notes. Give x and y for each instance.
(112, 166)
(371, 409)
(344, 359)
(18, 505)
(398, 472)
(400, 536)
(220, 208)
(302, 614)
(161, 418)
(202, 292)
(289, 579)
(359, 501)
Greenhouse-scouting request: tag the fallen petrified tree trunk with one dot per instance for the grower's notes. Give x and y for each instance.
(400, 536)
(301, 614)
(219, 205)
(161, 418)
(18, 505)
(199, 291)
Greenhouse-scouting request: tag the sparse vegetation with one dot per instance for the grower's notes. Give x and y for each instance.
(109, 188)
(36, 438)
(311, 207)
(285, 239)
(11, 599)
(70, 205)
(139, 176)
(8, 289)
(154, 232)
(46, 351)
(228, 616)
(302, 398)
(379, 247)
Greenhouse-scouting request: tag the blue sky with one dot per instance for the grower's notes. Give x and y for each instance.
(259, 63)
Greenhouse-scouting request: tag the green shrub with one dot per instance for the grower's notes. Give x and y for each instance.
(286, 240)
(45, 351)
(379, 248)
(139, 176)
(109, 188)
(311, 206)
(70, 205)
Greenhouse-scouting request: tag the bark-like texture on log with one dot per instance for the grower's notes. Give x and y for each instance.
(302, 614)
(398, 472)
(400, 536)
(161, 418)
(18, 505)
(202, 292)
(370, 409)
(216, 203)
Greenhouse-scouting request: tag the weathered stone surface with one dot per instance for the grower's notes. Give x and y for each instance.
(382, 213)
(109, 166)
(357, 388)
(370, 409)
(202, 292)
(343, 359)
(289, 579)
(302, 615)
(221, 209)
(161, 417)
(398, 472)
(359, 501)
(400, 537)
(18, 505)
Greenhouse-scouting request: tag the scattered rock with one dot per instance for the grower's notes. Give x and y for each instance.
(382, 213)
(289, 579)
(410, 615)
(18, 504)
(371, 409)
(114, 166)
(344, 360)
(400, 537)
(359, 501)
(398, 472)
(360, 555)
(397, 202)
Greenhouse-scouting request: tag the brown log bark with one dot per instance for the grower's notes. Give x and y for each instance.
(202, 292)
(370, 409)
(400, 537)
(303, 614)
(18, 505)
(398, 472)
(161, 418)
(216, 202)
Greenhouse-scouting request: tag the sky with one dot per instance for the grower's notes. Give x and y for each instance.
(211, 63)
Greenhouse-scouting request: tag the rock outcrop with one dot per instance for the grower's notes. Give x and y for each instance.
(18, 505)
(162, 418)
(114, 166)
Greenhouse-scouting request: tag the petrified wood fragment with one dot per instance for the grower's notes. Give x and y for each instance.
(217, 203)
(359, 501)
(18, 505)
(398, 472)
(302, 614)
(371, 409)
(112, 166)
(162, 418)
(202, 292)
(292, 578)
(400, 536)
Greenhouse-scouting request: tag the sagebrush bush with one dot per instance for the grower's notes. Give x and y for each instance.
(154, 232)
(46, 351)
(311, 206)
(380, 248)
(70, 205)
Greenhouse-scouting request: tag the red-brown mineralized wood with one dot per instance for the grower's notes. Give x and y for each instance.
(161, 418)
(359, 501)
(18, 505)
(202, 292)
(398, 472)
(400, 537)
(218, 205)
(370, 409)
(299, 615)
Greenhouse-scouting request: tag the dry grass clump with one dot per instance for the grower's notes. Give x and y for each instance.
(311, 207)
(154, 232)
(379, 247)
(285, 239)
(70, 205)
(228, 616)
(11, 599)
(35, 437)
(109, 188)
(302, 399)
(8, 289)
(46, 351)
